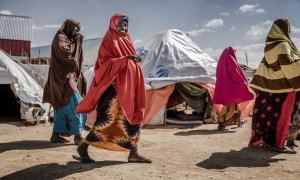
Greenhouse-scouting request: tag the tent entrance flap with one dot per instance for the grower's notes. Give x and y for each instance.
(189, 102)
(9, 104)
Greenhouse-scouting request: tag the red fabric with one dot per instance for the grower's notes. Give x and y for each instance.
(231, 86)
(283, 123)
(113, 66)
(15, 47)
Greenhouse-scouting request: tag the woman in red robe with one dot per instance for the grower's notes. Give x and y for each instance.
(118, 95)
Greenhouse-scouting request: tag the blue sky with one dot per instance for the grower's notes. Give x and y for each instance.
(212, 24)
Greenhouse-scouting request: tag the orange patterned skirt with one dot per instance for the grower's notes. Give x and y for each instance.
(111, 130)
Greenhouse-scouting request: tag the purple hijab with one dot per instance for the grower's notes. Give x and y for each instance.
(231, 86)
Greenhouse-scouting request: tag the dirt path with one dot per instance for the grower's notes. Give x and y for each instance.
(177, 153)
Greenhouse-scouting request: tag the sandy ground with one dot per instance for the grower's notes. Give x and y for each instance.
(177, 152)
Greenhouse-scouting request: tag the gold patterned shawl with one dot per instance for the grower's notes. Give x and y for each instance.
(279, 70)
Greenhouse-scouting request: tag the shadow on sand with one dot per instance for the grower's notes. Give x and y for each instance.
(202, 132)
(169, 126)
(57, 171)
(246, 157)
(16, 122)
(29, 145)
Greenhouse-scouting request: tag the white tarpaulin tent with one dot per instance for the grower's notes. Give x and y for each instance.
(171, 56)
(25, 88)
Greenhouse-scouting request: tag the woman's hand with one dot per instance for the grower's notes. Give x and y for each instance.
(79, 38)
(134, 58)
(72, 81)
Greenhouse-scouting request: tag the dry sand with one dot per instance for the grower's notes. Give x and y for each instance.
(177, 153)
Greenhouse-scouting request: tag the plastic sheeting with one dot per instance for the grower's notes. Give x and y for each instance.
(171, 56)
(24, 87)
(89, 76)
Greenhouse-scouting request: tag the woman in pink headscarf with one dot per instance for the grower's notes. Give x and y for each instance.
(231, 88)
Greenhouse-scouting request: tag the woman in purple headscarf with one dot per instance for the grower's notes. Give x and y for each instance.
(231, 88)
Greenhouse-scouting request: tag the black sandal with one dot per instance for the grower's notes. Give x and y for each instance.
(222, 127)
(59, 140)
(83, 159)
(141, 159)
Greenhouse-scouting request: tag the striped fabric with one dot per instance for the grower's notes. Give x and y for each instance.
(279, 70)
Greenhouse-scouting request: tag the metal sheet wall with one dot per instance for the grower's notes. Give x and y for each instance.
(15, 47)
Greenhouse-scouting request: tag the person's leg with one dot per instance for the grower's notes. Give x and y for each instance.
(78, 139)
(230, 115)
(258, 125)
(58, 125)
(55, 138)
(76, 122)
(283, 124)
(295, 128)
(82, 151)
(222, 118)
(134, 157)
(221, 126)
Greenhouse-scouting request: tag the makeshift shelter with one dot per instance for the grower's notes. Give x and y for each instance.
(171, 56)
(19, 92)
(171, 60)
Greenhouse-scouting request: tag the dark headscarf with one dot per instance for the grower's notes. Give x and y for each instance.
(66, 58)
(68, 27)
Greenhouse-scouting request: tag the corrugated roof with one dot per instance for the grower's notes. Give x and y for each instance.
(15, 27)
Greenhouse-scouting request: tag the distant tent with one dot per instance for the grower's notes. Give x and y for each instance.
(171, 57)
(19, 92)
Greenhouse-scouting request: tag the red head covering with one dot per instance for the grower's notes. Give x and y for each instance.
(231, 86)
(113, 66)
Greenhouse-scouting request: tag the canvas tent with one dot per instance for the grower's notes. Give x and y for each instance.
(171, 57)
(18, 88)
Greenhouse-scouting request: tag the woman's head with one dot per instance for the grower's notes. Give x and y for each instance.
(119, 23)
(122, 26)
(284, 26)
(280, 32)
(71, 28)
